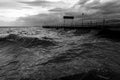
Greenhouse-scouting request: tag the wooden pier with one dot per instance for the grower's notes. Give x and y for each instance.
(93, 26)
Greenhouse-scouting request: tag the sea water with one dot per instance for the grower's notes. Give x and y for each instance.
(53, 54)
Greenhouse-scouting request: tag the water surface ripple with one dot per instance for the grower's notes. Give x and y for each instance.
(47, 54)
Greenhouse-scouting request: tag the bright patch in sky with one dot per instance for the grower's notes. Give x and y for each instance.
(14, 10)
(13, 14)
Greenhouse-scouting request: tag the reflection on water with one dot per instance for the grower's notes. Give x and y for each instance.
(43, 54)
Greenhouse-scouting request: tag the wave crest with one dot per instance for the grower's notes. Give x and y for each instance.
(27, 41)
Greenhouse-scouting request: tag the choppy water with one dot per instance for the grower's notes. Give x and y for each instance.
(48, 54)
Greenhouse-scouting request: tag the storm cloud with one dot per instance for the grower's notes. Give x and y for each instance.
(39, 12)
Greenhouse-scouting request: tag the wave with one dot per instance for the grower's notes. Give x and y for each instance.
(27, 41)
(109, 35)
(65, 61)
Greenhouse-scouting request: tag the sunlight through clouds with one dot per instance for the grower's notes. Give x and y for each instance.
(15, 10)
(12, 14)
(12, 10)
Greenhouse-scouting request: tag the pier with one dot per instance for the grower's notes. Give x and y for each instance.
(99, 23)
(86, 26)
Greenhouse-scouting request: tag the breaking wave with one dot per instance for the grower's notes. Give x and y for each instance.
(27, 41)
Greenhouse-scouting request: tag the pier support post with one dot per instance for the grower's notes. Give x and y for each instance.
(82, 19)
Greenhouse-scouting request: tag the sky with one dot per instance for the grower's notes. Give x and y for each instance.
(41, 12)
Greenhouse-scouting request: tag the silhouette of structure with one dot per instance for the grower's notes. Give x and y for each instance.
(83, 19)
(68, 18)
(87, 23)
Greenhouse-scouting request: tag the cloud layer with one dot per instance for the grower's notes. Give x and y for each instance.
(38, 12)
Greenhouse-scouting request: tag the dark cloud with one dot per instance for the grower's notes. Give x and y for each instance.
(9, 5)
(80, 7)
(101, 8)
(93, 9)
(38, 3)
(44, 3)
(82, 2)
(109, 8)
(58, 10)
(42, 19)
